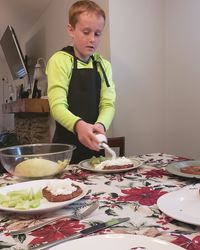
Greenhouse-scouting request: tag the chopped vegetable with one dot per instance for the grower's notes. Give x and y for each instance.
(21, 199)
(96, 160)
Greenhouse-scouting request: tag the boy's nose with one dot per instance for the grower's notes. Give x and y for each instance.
(92, 38)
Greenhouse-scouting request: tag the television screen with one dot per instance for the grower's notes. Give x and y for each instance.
(13, 53)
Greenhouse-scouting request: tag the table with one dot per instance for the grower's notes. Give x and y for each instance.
(133, 193)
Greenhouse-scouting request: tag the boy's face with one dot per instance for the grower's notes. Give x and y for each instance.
(86, 34)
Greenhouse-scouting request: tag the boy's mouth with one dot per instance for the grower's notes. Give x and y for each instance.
(90, 47)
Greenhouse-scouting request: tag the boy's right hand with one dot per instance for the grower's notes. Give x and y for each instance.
(86, 134)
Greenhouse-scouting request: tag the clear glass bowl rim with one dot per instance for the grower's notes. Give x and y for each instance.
(71, 148)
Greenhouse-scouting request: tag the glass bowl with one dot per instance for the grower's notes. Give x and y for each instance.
(36, 160)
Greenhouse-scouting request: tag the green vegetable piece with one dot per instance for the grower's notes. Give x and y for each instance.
(4, 203)
(21, 199)
(96, 160)
(38, 195)
(30, 194)
(101, 158)
(23, 205)
(34, 203)
(3, 198)
(19, 193)
(12, 203)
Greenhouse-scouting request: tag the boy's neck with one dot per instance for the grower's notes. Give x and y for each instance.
(80, 59)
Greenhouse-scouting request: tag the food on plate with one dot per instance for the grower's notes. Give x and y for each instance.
(96, 160)
(111, 164)
(61, 190)
(191, 170)
(38, 167)
(21, 199)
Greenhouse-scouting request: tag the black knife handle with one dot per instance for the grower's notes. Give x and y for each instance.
(103, 225)
(93, 229)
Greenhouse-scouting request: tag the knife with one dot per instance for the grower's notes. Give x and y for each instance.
(83, 233)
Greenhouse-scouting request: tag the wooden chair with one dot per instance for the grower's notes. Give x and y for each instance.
(117, 142)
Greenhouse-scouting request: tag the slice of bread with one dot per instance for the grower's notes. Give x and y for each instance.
(191, 170)
(61, 197)
(112, 167)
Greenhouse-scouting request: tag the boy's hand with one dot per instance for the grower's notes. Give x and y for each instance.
(86, 134)
(99, 128)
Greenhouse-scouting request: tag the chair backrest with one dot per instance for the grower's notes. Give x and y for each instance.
(117, 142)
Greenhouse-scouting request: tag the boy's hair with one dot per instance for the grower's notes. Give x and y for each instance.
(84, 6)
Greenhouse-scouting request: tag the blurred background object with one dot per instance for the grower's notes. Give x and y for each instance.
(7, 139)
(39, 79)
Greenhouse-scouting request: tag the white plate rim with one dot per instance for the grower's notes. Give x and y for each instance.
(46, 206)
(136, 162)
(129, 241)
(173, 210)
(174, 168)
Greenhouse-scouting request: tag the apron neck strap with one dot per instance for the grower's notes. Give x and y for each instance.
(70, 50)
(104, 73)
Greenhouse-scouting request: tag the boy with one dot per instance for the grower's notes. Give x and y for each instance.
(81, 92)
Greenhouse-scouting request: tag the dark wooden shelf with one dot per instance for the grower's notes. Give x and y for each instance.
(27, 106)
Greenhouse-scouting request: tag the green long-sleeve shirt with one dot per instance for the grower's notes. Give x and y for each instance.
(59, 71)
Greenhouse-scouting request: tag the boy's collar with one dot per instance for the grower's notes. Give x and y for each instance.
(71, 49)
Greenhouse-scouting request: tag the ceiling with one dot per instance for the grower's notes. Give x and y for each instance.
(21, 13)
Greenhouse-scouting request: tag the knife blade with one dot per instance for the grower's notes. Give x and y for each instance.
(83, 233)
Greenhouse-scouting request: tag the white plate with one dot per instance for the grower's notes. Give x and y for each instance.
(117, 242)
(175, 168)
(182, 205)
(87, 166)
(45, 205)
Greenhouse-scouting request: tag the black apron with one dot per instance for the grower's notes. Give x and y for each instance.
(83, 99)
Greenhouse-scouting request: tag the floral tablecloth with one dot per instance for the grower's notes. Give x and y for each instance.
(133, 193)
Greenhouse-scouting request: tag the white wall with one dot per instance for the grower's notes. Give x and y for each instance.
(155, 53)
(137, 56)
(182, 100)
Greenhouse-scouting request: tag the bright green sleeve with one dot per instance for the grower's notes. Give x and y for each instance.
(108, 96)
(58, 75)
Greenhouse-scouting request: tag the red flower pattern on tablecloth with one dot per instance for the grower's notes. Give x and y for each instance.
(163, 220)
(145, 195)
(155, 173)
(76, 175)
(140, 187)
(72, 177)
(188, 244)
(179, 158)
(58, 230)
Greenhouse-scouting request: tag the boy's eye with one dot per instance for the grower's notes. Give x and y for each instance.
(86, 32)
(97, 34)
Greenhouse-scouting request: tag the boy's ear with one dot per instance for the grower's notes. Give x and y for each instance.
(70, 30)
